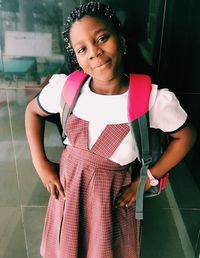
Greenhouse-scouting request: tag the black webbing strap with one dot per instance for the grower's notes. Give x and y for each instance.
(146, 159)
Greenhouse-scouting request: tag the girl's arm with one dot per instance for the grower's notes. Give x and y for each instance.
(180, 144)
(48, 171)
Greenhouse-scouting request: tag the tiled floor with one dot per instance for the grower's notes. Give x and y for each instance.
(171, 226)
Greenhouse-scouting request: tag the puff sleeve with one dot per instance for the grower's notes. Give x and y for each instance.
(50, 97)
(165, 111)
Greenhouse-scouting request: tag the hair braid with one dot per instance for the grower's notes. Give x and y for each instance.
(95, 9)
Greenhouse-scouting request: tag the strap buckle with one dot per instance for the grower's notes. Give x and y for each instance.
(146, 161)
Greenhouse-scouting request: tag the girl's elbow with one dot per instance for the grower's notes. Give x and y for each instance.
(190, 136)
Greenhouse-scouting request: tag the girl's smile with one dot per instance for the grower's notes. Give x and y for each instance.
(103, 64)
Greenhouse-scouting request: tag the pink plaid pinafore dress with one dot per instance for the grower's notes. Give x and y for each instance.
(87, 224)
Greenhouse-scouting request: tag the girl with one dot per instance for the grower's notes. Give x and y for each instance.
(82, 219)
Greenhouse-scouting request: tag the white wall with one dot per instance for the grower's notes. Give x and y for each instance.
(28, 44)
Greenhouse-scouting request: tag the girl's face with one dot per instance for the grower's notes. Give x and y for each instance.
(97, 48)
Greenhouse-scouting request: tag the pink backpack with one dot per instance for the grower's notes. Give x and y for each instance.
(149, 141)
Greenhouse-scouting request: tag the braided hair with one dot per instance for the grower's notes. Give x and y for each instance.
(94, 9)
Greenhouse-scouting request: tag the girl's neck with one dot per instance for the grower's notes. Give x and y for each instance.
(115, 86)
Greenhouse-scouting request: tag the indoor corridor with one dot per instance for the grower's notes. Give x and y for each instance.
(163, 41)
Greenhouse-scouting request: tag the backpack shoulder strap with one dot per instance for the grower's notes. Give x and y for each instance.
(70, 93)
(138, 107)
(72, 87)
(139, 94)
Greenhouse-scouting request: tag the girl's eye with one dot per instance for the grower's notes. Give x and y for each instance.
(81, 50)
(102, 38)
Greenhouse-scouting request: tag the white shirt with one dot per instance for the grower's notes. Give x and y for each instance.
(165, 113)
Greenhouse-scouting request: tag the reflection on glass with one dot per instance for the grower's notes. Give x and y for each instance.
(147, 46)
(142, 21)
(31, 39)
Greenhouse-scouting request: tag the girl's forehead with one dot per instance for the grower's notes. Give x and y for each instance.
(90, 23)
(86, 28)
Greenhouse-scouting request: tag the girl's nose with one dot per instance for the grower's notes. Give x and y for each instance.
(95, 51)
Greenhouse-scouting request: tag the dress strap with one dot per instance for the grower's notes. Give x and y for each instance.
(77, 132)
(110, 139)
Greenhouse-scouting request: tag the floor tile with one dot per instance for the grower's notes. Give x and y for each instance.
(157, 202)
(191, 219)
(197, 247)
(12, 244)
(34, 221)
(31, 189)
(175, 231)
(160, 238)
(9, 192)
(5, 132)
(186, 190)
(9, 195)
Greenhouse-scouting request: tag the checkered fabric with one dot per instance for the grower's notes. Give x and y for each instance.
(87, 224)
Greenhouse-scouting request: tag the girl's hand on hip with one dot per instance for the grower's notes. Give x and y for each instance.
(127, 195)
(50, 178)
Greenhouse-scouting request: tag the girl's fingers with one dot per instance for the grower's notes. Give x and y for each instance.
(48, 188)
(122, 204)
(54, 192)
(121, 201)
(125, 203)
(131, 202)
(60, 190)
(125, 200)
(56, 189)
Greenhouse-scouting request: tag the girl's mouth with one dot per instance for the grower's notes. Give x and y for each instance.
(102, 65)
